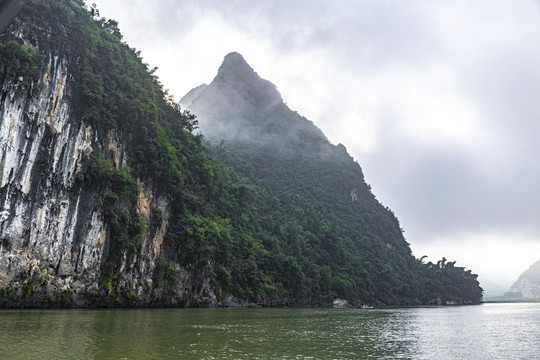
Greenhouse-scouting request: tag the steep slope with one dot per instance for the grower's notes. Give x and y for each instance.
(528, 283)
(342, 241)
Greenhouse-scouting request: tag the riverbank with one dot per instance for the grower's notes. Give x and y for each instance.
(510, 301)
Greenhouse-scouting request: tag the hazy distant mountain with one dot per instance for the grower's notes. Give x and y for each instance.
(191, 95)
(528, 283)
(493, 289)
(239, 105)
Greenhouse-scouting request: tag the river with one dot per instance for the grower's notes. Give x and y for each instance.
(489, 331)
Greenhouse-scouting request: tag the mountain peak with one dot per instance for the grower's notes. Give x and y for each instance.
(236, 73)
(235, 59)
(239, 105)
(234, 65)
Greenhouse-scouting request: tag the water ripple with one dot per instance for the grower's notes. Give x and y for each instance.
(494, 331)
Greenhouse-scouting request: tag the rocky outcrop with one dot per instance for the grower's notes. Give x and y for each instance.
(528, 283)
(526, 288)
(340, 303)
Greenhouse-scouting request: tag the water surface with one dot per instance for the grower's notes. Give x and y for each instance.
(491, 331)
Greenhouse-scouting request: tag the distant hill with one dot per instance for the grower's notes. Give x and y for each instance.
(528, 284)
(493, 289)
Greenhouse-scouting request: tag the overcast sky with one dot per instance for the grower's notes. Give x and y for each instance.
(438, 101)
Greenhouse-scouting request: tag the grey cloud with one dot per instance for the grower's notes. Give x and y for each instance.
(439, 189)
(446, 191)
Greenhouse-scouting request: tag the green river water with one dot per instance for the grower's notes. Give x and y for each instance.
(490, 331)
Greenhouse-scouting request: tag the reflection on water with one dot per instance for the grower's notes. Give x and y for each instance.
(494, 331)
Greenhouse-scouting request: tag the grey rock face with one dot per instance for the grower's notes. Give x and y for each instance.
(49, 221)
(528, 283)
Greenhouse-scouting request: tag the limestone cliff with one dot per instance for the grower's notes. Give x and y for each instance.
(528, 283)
(53, 234)
(56, 246)
(52, 231)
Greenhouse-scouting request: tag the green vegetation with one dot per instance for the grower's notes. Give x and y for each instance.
(315, 243)
(107, 277)
(167, 275)
(38, 278)
(121, 190)
(6, 291)
(260, 227)
(449, 282)
(19, 62)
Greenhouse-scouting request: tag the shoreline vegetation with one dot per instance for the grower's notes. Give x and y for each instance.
(496, 300)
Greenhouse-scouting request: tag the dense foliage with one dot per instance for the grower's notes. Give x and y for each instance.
(20, 62)
(258, 232)
(319, 244)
